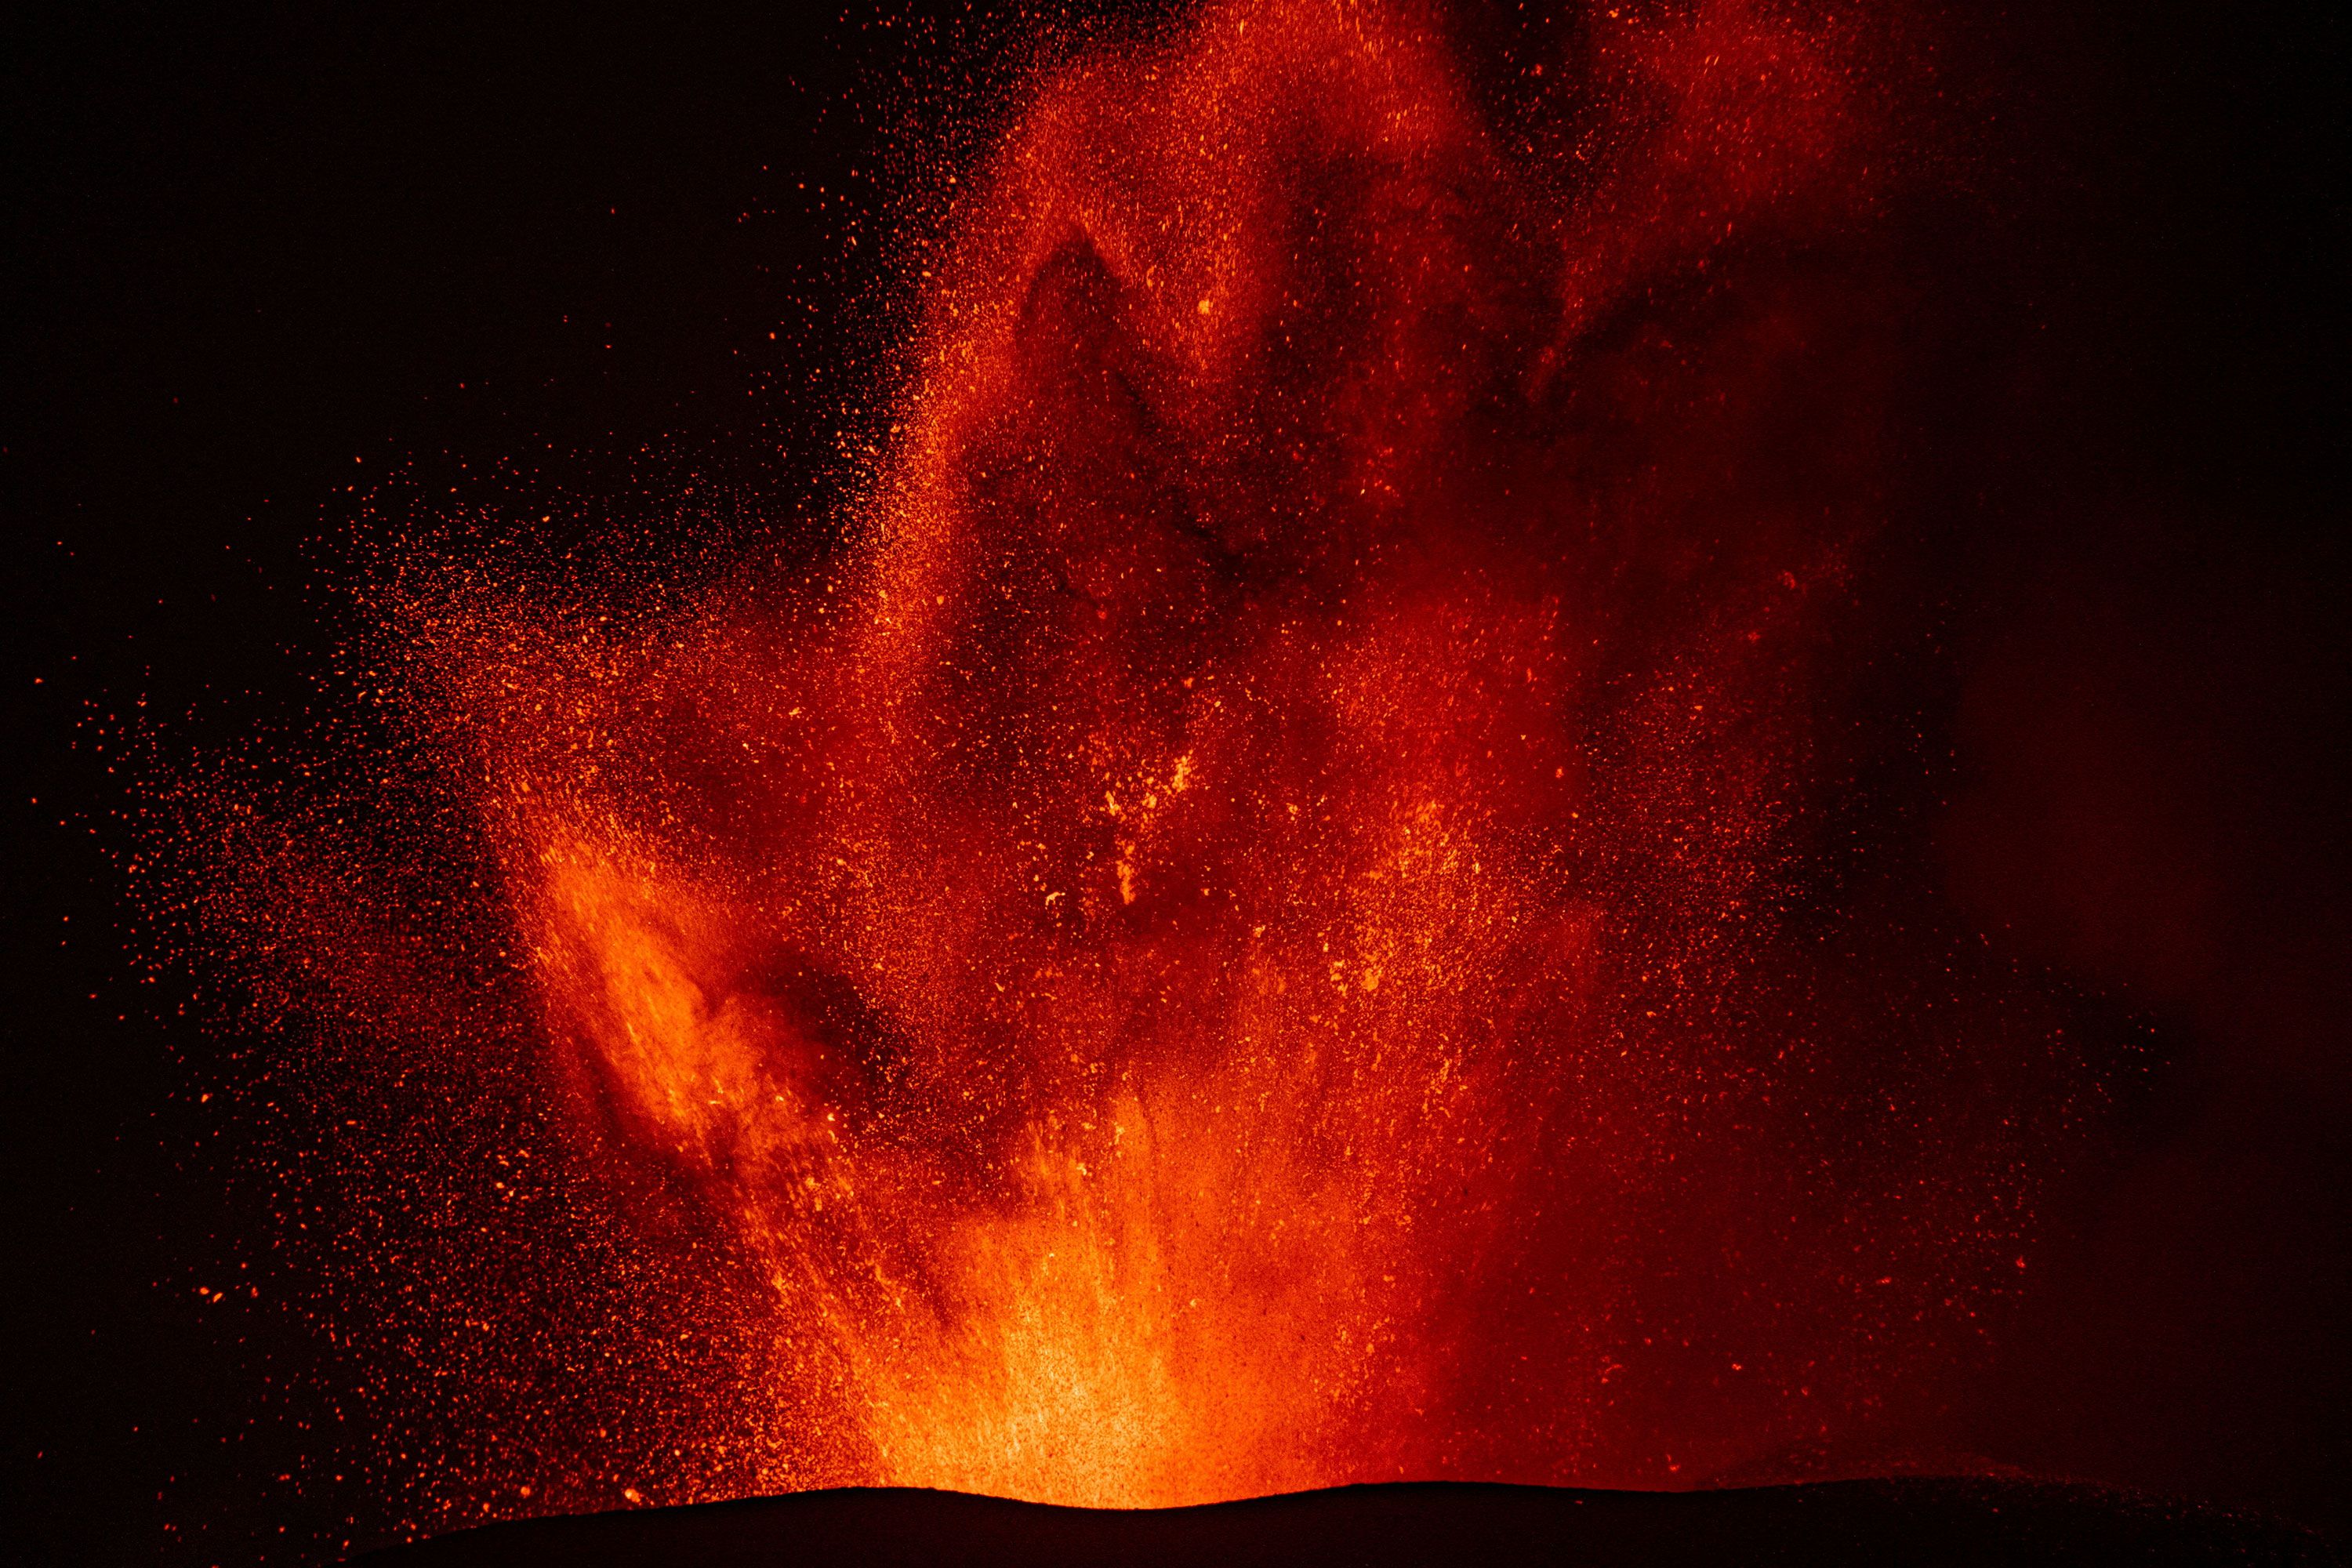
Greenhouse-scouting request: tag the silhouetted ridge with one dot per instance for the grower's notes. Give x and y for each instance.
(1913, 1521)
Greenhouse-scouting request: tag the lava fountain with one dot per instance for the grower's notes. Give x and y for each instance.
(1273, 918)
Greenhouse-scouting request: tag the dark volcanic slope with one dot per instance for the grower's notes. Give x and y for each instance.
(1911, 1521)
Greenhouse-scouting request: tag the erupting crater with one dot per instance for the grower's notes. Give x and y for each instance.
(1279, 914)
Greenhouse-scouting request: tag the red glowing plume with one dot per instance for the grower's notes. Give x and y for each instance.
(1265, 923)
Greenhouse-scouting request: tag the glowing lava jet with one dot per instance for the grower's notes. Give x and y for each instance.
(1262, 925)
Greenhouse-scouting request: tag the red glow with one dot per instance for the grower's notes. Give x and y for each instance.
(1262, 926)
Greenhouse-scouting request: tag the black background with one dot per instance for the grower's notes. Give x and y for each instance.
(256, 255)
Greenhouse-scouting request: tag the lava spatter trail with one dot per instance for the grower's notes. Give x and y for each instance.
(1261, 925)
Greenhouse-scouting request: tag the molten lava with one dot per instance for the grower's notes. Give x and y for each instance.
(1269, 921)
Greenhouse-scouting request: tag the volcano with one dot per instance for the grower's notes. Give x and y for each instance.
(1307, 902)
(1931, 1522)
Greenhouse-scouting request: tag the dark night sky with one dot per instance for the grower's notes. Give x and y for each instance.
(245, 250)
